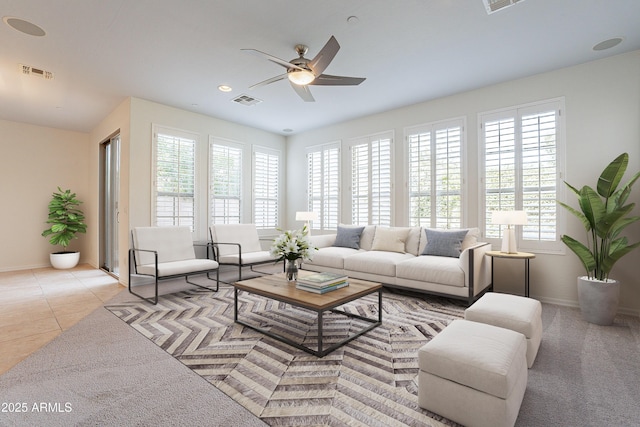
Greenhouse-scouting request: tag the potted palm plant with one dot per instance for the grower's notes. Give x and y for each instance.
(66, 220)
(605, 215)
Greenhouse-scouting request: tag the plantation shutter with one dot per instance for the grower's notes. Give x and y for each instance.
(323, 184)
(371, 184)
(225, 182)
(435, 174)
(266, 177)
(522, 150)
(174, 178)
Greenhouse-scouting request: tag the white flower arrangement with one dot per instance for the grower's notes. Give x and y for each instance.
(293, 245)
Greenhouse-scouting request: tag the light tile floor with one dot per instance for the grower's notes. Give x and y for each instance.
(37, 305)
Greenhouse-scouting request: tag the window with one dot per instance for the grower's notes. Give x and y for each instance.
(266, 182)
(371, 184)
(225, 181)
(174, 177)
(435, 174)
(522, 152)
(323, 185)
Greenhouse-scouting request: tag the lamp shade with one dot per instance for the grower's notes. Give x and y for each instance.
(306, 216)
(509, 217)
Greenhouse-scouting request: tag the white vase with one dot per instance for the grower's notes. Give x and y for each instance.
(64, 260)
(598, 300)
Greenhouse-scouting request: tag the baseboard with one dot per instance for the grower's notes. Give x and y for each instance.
(570, 303)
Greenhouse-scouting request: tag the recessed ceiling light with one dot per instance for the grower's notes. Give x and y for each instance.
(23, 26)
(287, 130)
(225, 88)
(608, 44)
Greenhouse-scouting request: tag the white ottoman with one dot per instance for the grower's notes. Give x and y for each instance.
(513, 312)
(474, 374)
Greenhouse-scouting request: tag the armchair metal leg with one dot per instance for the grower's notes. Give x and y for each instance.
(217, 279)
(153, 300)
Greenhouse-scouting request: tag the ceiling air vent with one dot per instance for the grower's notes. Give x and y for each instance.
(496, 5)
(33, 71)
(246, 100)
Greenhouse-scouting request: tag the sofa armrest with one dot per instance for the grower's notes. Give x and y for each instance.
(474, 258)
(136, 262)
(323, 240)
(216, 249)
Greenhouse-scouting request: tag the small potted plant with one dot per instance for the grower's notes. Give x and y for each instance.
(66, 220)
(604, 215)
(292, 246)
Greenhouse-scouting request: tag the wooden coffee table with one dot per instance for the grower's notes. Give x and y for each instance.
(276, 287)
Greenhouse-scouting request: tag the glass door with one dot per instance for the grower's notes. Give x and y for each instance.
(109, 196)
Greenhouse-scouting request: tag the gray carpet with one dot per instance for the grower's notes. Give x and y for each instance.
(109, 374)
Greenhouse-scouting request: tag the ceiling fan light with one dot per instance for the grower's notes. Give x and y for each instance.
(301, 77)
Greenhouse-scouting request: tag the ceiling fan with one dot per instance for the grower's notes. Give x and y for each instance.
(303, 72)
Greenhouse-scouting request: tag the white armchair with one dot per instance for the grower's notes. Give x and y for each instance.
(167, 253)
(238, 245)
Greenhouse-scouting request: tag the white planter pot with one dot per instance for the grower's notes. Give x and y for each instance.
(598, 300)
(64, 260)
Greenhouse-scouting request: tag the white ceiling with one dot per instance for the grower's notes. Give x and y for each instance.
(177, 53)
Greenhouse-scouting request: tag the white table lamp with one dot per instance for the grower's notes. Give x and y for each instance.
(308, 217)
(509, 218)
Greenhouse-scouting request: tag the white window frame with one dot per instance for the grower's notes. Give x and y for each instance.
(180, 134)
(517, 113)
(323, 184)
(369, 146)
(256, 187)
(226, 218)
(431, 131)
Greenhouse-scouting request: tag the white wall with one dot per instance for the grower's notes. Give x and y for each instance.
(602, 100)
(34, 161)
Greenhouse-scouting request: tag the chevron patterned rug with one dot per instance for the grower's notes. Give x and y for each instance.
(371, 381)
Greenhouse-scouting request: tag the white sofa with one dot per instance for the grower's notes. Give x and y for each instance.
(466, 277)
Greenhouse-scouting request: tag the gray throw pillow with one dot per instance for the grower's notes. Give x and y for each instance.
(348, 237)
(444, 243)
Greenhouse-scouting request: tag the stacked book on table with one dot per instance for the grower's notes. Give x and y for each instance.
(321, 283)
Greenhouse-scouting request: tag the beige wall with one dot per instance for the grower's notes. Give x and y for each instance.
(602, 101)
(34, 161)
(118, 121)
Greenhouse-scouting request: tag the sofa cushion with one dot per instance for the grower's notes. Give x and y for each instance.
(366, 238)
(433, 269)
(248, 258)
(244, 234)
(171, 243)
(471, 239)
(390, 239)
(172, 268)
(376, 262)
(348, 236)
(444, 242)
(332, 256)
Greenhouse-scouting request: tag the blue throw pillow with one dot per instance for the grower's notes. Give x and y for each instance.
(348, 237)
(444, 243)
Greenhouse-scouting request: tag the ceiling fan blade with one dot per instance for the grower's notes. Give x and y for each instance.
(303, 92)
(273, 59)
(324, 57)
(329, 80)
(268, 81)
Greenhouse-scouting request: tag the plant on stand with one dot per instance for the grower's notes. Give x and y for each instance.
(66, 220)
(604, 215)
(292, 247)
